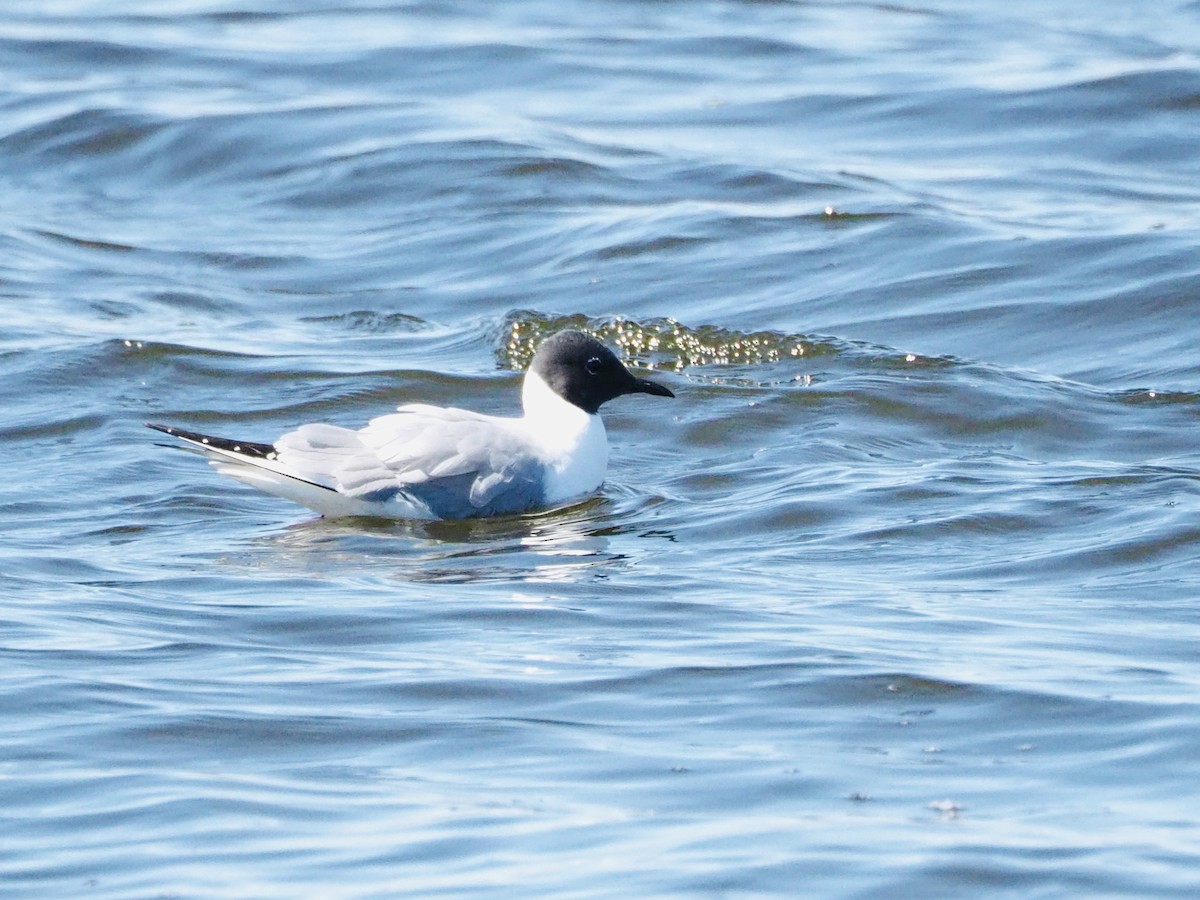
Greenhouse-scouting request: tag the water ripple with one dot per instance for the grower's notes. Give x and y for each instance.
(895, 598)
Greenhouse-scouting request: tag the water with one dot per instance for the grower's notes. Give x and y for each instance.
(898, 598)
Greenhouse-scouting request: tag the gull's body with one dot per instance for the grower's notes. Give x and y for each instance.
(430, 462)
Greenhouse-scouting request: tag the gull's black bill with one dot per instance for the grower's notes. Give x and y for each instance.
(646, 386)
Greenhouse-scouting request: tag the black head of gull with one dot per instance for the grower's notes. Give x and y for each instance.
(585, 373)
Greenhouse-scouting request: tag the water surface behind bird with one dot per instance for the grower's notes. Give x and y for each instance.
(898, 598)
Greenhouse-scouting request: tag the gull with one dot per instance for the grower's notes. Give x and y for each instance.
(434, 462)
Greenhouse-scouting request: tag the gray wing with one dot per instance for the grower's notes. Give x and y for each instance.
(454, 462)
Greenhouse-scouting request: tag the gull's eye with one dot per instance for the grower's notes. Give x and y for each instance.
(593, 365)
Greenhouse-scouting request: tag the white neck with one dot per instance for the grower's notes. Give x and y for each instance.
(571, 442)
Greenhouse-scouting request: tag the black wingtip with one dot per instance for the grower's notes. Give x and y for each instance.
(245, 448)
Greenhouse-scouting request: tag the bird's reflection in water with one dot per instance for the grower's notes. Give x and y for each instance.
(560, 545)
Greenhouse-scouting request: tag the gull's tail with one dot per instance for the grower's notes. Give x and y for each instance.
(259, 466)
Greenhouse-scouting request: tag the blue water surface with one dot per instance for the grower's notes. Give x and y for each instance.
(898, 598)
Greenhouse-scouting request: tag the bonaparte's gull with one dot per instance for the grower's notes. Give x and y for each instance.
(433, 462)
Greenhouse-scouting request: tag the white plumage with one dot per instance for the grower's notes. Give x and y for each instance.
(430, 462)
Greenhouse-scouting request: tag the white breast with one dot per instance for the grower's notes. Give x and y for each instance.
(571, 442)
